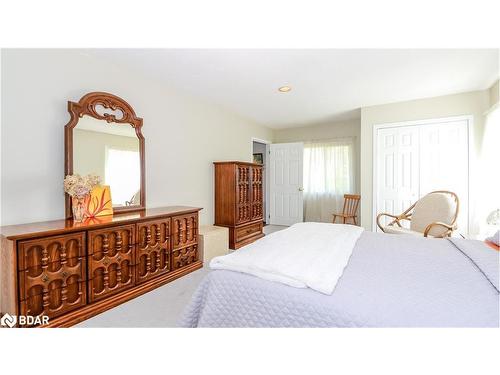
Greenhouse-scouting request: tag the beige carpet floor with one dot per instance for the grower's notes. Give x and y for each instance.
(161, 307)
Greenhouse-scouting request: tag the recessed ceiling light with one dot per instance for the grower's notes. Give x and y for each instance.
(284, 89)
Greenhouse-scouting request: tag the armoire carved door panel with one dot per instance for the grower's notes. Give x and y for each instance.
(243, 213)
(257, 199)
(243, 182)
(185, 230)
(185, 256)
(243, 194)
(52, 274)
(153, 249)
(111, 261)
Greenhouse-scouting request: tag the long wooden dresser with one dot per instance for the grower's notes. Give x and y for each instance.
(71, 271)
(239, 201)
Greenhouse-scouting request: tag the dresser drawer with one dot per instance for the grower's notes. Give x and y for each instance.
(185, 256)
(109, 241)
(111, 261)
(54, 288)
(247, 231)
(55, 249)
(185, 230)
(153, 249)
(59, 300)
(107, 279)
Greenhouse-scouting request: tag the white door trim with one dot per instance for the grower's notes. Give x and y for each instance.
(376, 127)
(266, 173)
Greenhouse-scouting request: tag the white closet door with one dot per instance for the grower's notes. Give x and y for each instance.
(286, 192)
(397, 169)
(444, 163)
(414, 160)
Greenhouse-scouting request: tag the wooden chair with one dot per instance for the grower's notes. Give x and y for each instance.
(433, 215)
(351, 202)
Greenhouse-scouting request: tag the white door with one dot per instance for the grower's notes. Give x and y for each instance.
(444, 163)
(286, 191)
(397, 169)
(416, 159)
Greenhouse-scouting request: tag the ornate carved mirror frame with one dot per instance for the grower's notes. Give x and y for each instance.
(87, 106)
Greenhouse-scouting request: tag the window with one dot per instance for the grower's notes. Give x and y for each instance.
(328, 175)
(122, 174)
(328, 167)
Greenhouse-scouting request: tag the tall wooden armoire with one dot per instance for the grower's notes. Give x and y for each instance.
(238, 201)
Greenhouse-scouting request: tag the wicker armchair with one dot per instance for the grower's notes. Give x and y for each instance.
(434, 215)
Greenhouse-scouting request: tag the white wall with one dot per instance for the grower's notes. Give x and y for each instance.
(470, 103)
(183, 134)
(348, 128)
(494, 93)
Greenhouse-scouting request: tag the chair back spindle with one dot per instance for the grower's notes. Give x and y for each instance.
(351, 202)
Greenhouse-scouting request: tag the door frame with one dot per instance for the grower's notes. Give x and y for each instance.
(470, 141)
(266, 172)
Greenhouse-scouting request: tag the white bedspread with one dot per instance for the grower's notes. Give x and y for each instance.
(305, 255)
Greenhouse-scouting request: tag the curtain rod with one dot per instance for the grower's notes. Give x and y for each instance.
(326, 140)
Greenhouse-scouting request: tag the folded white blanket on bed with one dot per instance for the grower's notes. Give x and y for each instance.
(310, 255)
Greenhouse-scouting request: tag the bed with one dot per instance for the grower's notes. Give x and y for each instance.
(388, 281)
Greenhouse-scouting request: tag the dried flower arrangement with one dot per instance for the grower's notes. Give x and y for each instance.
(79, 188)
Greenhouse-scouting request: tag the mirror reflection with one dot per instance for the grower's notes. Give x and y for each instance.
(110, 151)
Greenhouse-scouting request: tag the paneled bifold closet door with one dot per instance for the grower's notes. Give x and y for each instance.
(416, 159)
(398, 169)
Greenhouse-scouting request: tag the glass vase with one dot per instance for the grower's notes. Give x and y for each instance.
(78, 206)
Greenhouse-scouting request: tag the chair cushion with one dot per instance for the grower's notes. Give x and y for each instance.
(394, 229)
(431, 208)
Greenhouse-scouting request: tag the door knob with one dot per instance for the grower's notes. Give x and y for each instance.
(301, 189)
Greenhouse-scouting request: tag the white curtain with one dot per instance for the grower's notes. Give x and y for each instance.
(328, 175)
(487, 197)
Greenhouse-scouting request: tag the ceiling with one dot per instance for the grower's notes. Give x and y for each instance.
(327, 84)
(100, 126)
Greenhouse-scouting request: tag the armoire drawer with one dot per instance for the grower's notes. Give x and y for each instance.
(247, 231)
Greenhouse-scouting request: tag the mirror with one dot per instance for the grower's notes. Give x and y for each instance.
(104, 138)
(111, 152)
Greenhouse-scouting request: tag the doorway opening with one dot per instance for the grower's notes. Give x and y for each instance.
(260, 155)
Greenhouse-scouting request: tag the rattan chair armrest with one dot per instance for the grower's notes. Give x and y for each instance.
(450, 228)
(396, 219)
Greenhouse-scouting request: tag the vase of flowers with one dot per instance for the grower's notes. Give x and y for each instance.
(79, 188)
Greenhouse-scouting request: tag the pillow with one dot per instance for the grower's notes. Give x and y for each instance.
(495, 238)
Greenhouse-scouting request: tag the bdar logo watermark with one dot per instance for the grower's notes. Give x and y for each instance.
(8, 320)
(24, 320)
